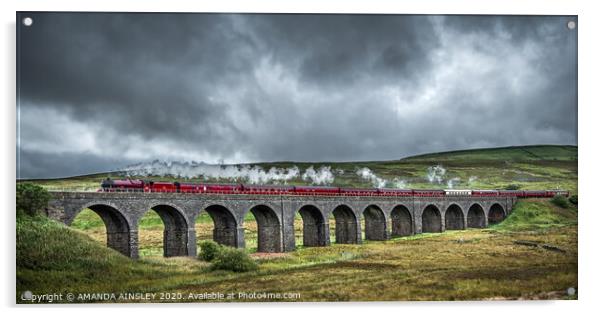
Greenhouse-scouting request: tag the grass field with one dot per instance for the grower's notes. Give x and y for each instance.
(530, 255)
(456, 265)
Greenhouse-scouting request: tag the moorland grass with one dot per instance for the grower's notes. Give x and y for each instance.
(471, 264)
(537, 214)
(454, 265)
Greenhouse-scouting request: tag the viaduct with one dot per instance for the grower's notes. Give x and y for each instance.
(383, 217)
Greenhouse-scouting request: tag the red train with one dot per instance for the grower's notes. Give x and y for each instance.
(109, 185)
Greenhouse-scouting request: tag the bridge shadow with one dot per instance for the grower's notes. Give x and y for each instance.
(346, 228)
(314, 228)
(431, 220)
(174, 226)
(374, 223)
(496, 214)
(476, 217)
(224, 231)
(454, 218)
(269, 229)
(106, 224)
(401, 222)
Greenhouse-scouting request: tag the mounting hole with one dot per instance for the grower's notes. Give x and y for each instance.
(571, 291)
(27, 21)
(571, 25)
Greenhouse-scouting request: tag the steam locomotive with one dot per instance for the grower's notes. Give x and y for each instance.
(129, 185)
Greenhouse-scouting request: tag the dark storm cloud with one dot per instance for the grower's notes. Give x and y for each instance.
(113, 89)
(133, 70)
(343, 49)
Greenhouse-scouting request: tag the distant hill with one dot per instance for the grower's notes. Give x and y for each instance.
(515, 153)
(530, 167)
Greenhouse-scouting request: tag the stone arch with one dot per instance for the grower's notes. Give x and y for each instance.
(315, 232)
(496, 214)
(346, 225)
(175, 233)
(401, 221)
(225, 227)
(454, 217)
(476, 216)
(269, 230)
(431, 219)
(119, 230)
(375, 223)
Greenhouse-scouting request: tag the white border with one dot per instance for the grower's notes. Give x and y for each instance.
(589, 28)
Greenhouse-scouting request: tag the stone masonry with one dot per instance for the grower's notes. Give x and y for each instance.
(383, 217)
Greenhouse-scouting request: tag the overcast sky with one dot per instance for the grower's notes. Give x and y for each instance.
(98, 92)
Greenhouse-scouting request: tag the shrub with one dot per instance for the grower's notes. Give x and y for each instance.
(512, 186)
(573, 199)
(31, 198)
(561, 201)
(209, 250)
(232, 259)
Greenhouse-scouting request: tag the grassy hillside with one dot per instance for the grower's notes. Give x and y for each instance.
(59, 259)
(455, 265)
(514, 153)
(507, 260)
(531, 167)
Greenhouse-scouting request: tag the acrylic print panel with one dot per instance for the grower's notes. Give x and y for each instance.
(295, 157)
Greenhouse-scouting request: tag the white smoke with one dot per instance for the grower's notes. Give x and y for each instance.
(257, 175)
(367, 174)
(321, 177)
(435, 174)
(399, 183)
(254, 175)
(245, 173)
(324, 175)
(452, 182)
(472, 179)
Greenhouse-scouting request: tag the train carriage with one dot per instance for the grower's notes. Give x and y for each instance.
(109, 185)
(424, 192)
(485, 192)
(359, 192)
(266, 189)
(162, 186)
(458, 192)
(122, 185)
(510, 192)
(394, 192)
(316, 190)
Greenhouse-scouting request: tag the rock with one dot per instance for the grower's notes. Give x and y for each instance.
(552, 248)
(525, 243)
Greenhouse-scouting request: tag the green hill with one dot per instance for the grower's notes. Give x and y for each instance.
(49, 254)
(530, 167)
(513, 153)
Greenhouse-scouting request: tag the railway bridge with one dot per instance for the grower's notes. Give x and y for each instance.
(355, 217)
